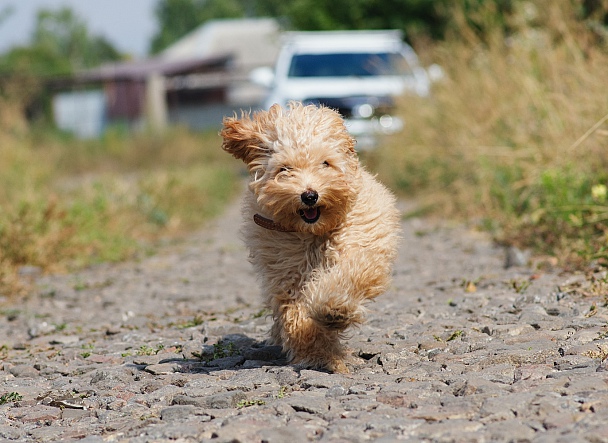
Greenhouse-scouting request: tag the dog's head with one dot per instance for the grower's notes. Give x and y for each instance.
(303, 165)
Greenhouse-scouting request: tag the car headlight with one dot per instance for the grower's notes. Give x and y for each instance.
(364, 110)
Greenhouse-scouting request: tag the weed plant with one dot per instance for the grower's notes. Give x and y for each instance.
(515, 136)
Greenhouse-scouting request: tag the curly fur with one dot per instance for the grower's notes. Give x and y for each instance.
(324, 261)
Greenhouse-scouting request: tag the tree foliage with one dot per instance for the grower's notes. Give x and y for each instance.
(411, 16)
(59, 45)
(66, 35)
(178, 17)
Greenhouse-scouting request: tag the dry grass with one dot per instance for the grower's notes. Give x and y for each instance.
(65, 203)
(515, 136)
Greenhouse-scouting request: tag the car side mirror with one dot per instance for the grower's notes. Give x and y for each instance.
(262, 76)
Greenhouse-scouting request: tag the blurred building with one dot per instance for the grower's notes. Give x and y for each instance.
(194, 82)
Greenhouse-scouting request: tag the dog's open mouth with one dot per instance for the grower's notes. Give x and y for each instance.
(310, 215)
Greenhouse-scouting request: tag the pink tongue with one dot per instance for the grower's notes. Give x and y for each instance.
(310, 213)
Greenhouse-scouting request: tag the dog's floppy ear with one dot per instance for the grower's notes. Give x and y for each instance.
(246, 138)
(333, 123)
(240, 138)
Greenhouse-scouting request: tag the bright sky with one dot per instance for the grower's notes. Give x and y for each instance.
(128, 24)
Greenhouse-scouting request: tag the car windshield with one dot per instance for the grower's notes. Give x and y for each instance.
(348, 65)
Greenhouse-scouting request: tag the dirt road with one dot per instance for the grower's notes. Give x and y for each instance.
(461, 349)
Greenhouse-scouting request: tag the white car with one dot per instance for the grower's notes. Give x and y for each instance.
(358, 73)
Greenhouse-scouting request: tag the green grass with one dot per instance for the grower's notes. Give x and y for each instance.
(10, 397)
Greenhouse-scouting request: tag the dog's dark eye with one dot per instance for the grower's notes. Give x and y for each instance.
(284, 169)
(326, 163)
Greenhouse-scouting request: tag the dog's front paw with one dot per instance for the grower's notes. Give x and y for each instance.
(336, 319)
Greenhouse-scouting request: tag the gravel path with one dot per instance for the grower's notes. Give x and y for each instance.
(172, 348)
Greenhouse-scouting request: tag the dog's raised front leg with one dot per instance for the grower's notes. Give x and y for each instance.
(336, 296)
(306, 342)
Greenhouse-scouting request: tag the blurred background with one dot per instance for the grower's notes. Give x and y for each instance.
(153, 63)
(109, 113)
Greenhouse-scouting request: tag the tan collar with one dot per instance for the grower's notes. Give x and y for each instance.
(269, 224)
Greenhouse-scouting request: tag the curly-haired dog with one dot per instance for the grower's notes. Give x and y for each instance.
(321, 231)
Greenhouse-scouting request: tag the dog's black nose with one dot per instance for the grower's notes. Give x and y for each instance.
(309, 198)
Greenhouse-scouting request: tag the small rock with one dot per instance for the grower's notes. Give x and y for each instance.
(46, 433)
(254, 364)
(63, 339)
(42, 328)
(394, 399)
(284, 375)
(312, 405)
(163, 368)
(282, 434)
(24, 371)
(218, 401)
(177, 412)
(147, 360)
(227, 362)
(11, 433)
(113, 330)
(96, 358)
(336, 391)
(74, 414)
(111, 377)
(316, 379)
(40, 413)
(507, 330)
(91, 439)
(516, 257)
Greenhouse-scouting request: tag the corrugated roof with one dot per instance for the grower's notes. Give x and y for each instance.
(139, 70)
